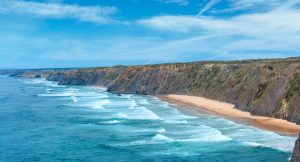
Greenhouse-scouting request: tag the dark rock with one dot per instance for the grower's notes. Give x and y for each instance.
(296, 153)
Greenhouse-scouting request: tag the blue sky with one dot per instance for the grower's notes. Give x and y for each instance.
(93, 33)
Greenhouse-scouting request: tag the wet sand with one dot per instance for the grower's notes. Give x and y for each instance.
(215, 108)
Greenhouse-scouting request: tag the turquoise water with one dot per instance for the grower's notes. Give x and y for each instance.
(41, 121)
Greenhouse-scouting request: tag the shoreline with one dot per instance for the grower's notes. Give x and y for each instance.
(215, 108)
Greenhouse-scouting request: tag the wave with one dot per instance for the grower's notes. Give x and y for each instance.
(94, 104)
(113, 122)
(251, 136)
(157, 139)
(34, 87)
(97, 97)
(176, 121)
(139, 113)
(3, 76)
(159, 130)
(57, 95)
(124, 103)
(74, 99)
(202, 133)
(143, 102)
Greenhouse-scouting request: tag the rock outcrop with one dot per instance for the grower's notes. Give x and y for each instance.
(95, 76)
(57, 76)
(296, 153)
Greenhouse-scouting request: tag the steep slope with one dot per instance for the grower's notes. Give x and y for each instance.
(261, 87)
(93, 76)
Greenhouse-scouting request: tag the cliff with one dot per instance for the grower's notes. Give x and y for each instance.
(57, 76)
(32, 73)
(261, 87)
(267, 87)
(93, 76)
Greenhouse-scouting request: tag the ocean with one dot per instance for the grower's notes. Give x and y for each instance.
(43, 121)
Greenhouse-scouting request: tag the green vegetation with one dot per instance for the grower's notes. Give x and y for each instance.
(262, 87)
(113, 76)
(207, 86)
(194, 76)
(278, 107)
(131, 76)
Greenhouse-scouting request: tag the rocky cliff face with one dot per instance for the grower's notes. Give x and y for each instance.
(262, 87)
(57, 76)
(96, 76)
(266, 88)
(34, 73)
(296, 153)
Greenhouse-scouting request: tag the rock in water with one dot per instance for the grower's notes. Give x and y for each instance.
(296, 152)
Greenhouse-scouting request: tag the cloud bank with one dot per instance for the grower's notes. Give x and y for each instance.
(273, 32)
(93, 14)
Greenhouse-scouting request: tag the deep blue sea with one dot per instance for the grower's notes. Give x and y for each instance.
(42, 121)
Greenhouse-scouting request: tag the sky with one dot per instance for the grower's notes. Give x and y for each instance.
(97, 33)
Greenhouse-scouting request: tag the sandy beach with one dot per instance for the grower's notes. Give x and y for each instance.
(215, 108)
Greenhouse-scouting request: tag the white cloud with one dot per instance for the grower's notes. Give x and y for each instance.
(181, 2)
(94, 14)
(258, 5)
(274, 32)
(209, 5)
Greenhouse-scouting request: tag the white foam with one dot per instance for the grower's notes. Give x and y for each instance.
(126, 96)
(122, 115)
(96, 104)
(56, 85)
(265, 138)
(124, 103)
(113, 122)
(161, 130)
(157, 139)
(57, 95)
(157, 130)
(97, 97)
(37, 81)
(138, 113)
(74, 99)
(49, 89)
(160, 137)
(72, 90)
(176, 121)
(253, 144)
(202, 134)
(144, 102)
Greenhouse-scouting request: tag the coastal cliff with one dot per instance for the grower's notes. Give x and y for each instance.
(262, 87)
(88, 77)
(33, 73)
